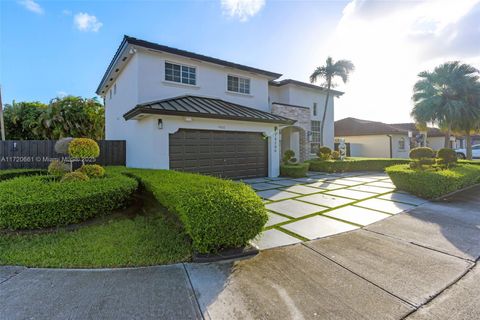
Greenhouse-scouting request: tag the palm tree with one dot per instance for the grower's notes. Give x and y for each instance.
(440, 95)
(328, 72)
(469, 121)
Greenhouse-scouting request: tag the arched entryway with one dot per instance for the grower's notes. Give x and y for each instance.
(294, 138)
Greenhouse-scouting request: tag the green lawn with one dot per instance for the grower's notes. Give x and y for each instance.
(151, 237)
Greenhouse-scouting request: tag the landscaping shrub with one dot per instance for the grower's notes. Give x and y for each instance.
(92, 170)
(324, 153)
(13, 173)
(354, 164)
(335, 155)
(216, 213)
(289, 157)
(35, 202)
(58, 168)
(446, 157)
(294, 170)
(433, 183)
(422, 158)
(83, 148)
(74, 176)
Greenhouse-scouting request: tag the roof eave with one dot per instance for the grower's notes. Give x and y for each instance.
(151, 111)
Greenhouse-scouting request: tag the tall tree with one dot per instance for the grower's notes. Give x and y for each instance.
(72, 117)
(439, 96)
(328, 72)
(21, 119)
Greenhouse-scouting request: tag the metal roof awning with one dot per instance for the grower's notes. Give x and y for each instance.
(204, 107)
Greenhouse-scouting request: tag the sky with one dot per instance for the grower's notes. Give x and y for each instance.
(56, 48)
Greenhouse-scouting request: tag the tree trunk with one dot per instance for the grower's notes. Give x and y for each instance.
(322, 124)
(447, 138)
(469, 146)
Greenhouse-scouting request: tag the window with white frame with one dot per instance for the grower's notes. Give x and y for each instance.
(180, 73)
(401, 143)
(315, 136)
(238, 84)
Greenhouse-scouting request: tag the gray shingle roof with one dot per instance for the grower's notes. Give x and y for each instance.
(204, 107)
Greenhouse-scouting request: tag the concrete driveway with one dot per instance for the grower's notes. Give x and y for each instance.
(421, 264)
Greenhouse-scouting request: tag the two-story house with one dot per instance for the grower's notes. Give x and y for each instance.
(185, 111)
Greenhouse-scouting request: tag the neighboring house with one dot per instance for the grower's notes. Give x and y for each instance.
(382, 140)
(185, 111)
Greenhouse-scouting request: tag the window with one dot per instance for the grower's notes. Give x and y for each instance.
(237, 84)
(315, 138)
(401, 144)
(181, 74)
(314, 108)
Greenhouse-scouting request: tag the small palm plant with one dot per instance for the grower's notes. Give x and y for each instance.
(328, 72)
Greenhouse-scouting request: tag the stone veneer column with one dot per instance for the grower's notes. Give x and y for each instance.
(302, 117)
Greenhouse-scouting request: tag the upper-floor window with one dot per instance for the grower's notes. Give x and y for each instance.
(314, 108)
(237, 84)
(180, 73)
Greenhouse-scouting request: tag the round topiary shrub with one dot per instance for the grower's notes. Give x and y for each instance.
(423, 158)
(324, 153)
(335, 155)
(446, 157)
(289, 157)
(92, 170)
(58, 168)
(421, 153)
(83, 148)
(74, 176)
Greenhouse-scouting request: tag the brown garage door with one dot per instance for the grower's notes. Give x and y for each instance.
(225, 154)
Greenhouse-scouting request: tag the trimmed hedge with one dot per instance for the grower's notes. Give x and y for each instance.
(13, 173)
(41, 202)
(216, 213)
(432, 183)
(294, 170)
(354, 164)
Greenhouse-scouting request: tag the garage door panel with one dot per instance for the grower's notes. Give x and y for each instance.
(220, 153)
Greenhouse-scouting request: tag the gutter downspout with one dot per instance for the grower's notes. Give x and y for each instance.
(390, 143)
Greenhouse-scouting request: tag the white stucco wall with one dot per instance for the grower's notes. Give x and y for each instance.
(154, 142)
(377, 146)
(436, 143)
(211, 81)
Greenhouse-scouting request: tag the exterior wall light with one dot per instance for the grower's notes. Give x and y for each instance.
(160, 124)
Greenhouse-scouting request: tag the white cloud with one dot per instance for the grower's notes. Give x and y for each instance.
(389, 47)
(86, 22)
(61, 94)
(31, 5)
(242, 9)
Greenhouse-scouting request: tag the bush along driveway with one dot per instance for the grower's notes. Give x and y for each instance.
(422, 264)
(326, 204)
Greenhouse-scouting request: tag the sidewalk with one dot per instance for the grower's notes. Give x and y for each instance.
(415, 265)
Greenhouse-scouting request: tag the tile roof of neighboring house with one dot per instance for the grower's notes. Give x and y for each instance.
(432, 132)
(203, 107)
(302, 84)
(184, 53)
(358, 127)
